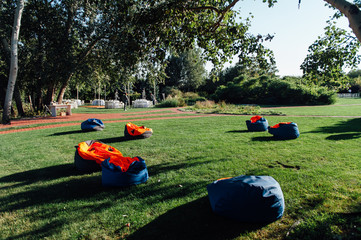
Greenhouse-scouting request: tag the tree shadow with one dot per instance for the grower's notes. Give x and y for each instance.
(194, 220)
(49, 190)
(323, 228)
(345, 130)
(40, 175)
(346, 136)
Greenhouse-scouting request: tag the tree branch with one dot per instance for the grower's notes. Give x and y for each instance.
(223, 13)
(352, 12)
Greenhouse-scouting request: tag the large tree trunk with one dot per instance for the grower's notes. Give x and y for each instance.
(352, 12)
(17, 96)
(14, 62)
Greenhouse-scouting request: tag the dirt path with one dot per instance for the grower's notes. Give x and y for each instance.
(22, 125)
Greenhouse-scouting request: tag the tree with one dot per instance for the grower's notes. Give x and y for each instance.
(186, 71)
(330, 55)
(14, 62)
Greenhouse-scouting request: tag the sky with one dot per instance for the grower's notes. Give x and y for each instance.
(294, 29)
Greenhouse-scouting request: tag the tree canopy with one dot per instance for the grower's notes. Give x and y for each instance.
(329, 55)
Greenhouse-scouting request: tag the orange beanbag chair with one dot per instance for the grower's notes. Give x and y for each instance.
(90, 154)
(133, 131)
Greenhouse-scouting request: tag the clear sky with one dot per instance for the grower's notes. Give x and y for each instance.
(294, 29)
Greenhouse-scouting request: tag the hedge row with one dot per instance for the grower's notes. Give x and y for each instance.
(274, 91)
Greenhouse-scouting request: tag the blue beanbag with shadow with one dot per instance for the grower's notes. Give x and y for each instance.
(256, 199)
(113, 176)
(286, 130)
(92, 124)
(257, 124)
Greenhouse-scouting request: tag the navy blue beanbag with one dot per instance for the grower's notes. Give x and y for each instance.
(92, 124)
(247, 198)
(257, 124)
(114, 176)
(285, 130)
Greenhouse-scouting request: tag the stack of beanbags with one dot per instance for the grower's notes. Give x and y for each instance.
(285, 130)
(257, 199)
(257, 124)
(90, 154)
(117, 170)
(92, 124)
(133, 131)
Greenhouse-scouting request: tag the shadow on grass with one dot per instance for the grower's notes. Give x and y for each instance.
(194, 220)
(155, 170)
(323, 227)
(238, 131)
(345, 130)
(269, 138)
(62, 191)
(67, 133)
(41, 175)
(116, 139)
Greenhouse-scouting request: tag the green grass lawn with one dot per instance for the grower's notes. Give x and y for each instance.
(342, 101)
(43, 196)
(342, 107)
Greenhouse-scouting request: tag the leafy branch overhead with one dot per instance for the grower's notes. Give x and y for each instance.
(329, 55)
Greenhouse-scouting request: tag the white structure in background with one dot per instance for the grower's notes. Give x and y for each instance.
(142, 103)
(98, 102)
(114, 104)
(73, 102)
(79, 102)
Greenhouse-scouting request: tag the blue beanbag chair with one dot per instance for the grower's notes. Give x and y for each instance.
(257, 199)
(113, 176)
(92, 124)
(257, 124)
(284, 130)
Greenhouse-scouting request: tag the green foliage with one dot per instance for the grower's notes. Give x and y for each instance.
(191, 98)
(262, 63)
(186, 71)
(329, 55)
(354, 81)
(272, 90)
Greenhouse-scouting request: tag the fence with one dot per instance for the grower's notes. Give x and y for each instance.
(348, 95)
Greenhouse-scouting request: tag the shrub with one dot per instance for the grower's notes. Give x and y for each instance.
(204, 104)
(267, 90)
(172, 102)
